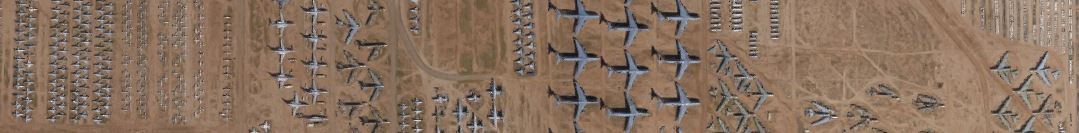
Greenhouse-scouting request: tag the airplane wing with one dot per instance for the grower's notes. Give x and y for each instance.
(1044, 76)
(1003, 63)
(760, 102)
(1029, 126)
(1041, 64)
(822, 120)
(820, 107)
(374, 77)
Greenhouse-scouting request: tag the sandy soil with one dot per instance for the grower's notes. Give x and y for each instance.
(831, 51)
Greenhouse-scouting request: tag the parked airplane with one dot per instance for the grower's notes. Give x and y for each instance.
(295, 103)
(281, 50)
(460, 112)
(1042, 69)
(495, 115)
(631, 27)
(1028, 127)
(761, 94)
(281, 77)
(864, 117)
(315, 92)
(313, 64)
(375, 10)
(682, 15)
(315, 119)
(581, 57)
(727, 97)
(281, 3)
(631, 69)
(580, 99)
(631, 112)
(494, 89)
(314, 10)
(476, 125)
(681, 100)
(265, 126)
(1004, 111)
(281, 23)
(1024, 90)
(1003, 69)
(370, 44)
(725, 57)
(314, 37)
(580, 15)
(683, 59)
(353, 26)
(375, 83)
(827, 113)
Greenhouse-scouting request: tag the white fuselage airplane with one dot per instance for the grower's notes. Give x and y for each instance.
(281, 77)
(281, 23)
(827, 114)
(314, 37)
(314, 10)
(476, 125)
(683, 17)
(580, 16)
(460, 112)
(281, 50)
(313, 64)
(725, 58)
(315, 92)
(494, 89)
(632, 70)
(581, 57)
(580, 100)
(1003, 112)
(631, 27)
(375, 84)
(295, 103)
(1042, 70)
(682, 101)
(353, 27)
(683, 59)
(495, 115)
(631, 112)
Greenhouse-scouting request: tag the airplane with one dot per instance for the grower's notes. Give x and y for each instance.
(370, 44)
(494, 90)
(281, 3)
(315, 92)
(461, 111)
(440, 98)
(265, 126)
(683, 59)
(722, 126)
(375, 10)
(682, 15)
(727, 96)
(576, 128)
(725, 57)
(1028, 127)
(682, 101)
(315, 118)
(253, 129)
(353, 26)
(314, 10)
(472, 96)
(581, 57)
(281, 50)
(1003, 69)
(281, 23)
(864, 118)
(295, 103)
(1044, 109)
(580, 99)
(762, 94)
(631, 112)
(631, 69)
(313, 37)
(1042, 69)
(314, 64)
(281, 77)
(631, 27)
(743, 115)
(883, 90)
(376, 120)
(580, 15)
(476, 124)
(827, 114)
(1003, 112)
(743, 77)
(1024, 90)
(495, 115)
(375, 83)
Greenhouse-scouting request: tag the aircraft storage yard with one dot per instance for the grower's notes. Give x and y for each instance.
(538, 66)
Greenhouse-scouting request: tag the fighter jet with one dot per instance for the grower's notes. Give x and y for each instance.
(494, 89)
(281, 77)
(476, 125)
(632, 70)
(1042, 70)
(314, 92)
(827, 113)
(581, 57)
(631, 112)
(1003, 69)
(682, 101)
(495, 115)
(353, 26)
(864, 117)
(761, 94)
(631, 27)
(1024, 90)
(683, 59)
(295, 103)
(682, 15)
(883, 90)
(580, 99)
(460, 112)
(725, 57)
(265, 126)
(580, 15)
(281, 23)
(1004, 112)
(375, 83)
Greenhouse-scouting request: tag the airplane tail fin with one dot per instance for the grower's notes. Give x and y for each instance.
(654, 52)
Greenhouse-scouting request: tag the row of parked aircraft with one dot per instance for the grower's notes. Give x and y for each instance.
(581, 15)
(631, 112)
(682, 59)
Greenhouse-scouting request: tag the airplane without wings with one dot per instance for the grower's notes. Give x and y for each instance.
(631, 27)
(581, 57)
(725, 57)
(1042, 70)
(683, 59)
(682, 101)
(580, 15)
(353, 26)
(295, 103)
(631, 112)
(1003, 69)
(632, 70)
(682, 15)
(1004, 111)
(1024, 90)
(580, 99)
(375, 83)
(761, 94)
(476, 125)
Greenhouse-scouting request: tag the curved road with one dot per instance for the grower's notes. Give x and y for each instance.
(414, 57)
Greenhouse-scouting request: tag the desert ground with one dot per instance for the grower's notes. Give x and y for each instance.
(831, 51)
